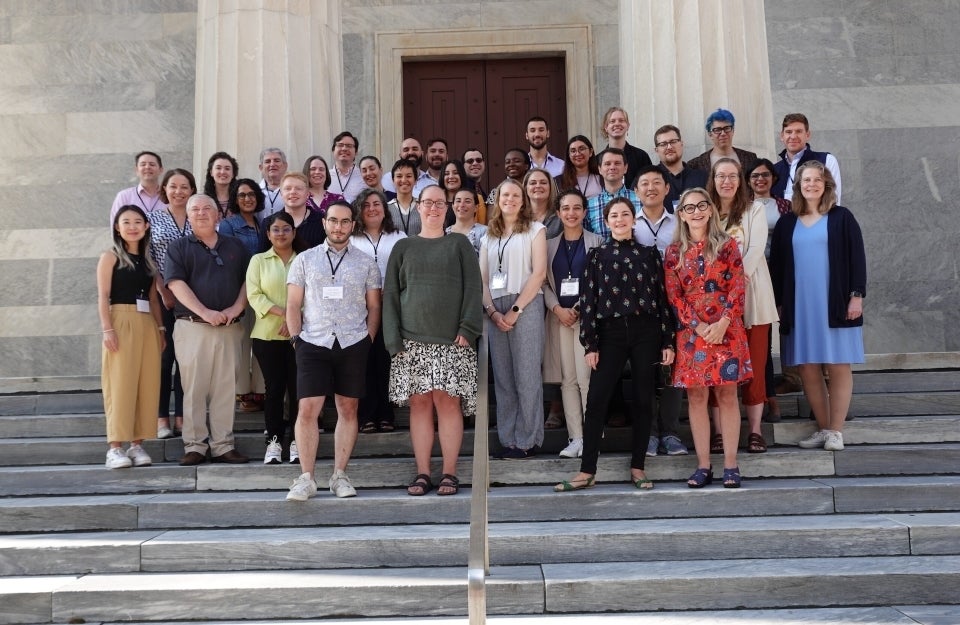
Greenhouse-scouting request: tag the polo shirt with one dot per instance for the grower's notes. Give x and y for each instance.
(215, 285)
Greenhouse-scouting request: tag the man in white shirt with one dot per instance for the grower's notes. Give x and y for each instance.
(795, 135)
(410, 150)
(537, 136)
(345, 177)
(273, 166)
(149, 168)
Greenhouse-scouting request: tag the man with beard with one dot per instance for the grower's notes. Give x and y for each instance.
(679, 177)
(436, 157)
(410, 150)
(273, 165)
(475, 166)
(537, 135)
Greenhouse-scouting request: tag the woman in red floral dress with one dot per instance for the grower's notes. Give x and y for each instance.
(705, 285)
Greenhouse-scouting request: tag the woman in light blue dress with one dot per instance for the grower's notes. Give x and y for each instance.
(819, 273)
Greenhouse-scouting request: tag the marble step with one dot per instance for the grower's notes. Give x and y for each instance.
(906, 381)
(606, 501)
(550, 588)
(877, 430)
(447, 545)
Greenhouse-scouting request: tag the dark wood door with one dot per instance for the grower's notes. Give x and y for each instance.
(485, 103)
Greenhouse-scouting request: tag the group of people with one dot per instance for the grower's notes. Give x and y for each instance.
(375, 288)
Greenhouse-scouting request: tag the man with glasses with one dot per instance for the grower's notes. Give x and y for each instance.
(333, 313)
(720, 128)
(273, 165)
(795, 135)
(475, 166)
(679, 176)
(207, 274)
(615, 127)
(345, 177)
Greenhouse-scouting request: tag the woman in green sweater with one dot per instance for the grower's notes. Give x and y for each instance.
(431, 323)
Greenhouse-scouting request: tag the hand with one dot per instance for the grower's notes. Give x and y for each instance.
(214, 317)
(666, 356)
(501, 321)
(110, 341)
(592, 359)
(167, 298)
(461, 342)
(163, 340)
(566, 316)
(283, 331)
(232, 313)
(855, 308)
(716, 331)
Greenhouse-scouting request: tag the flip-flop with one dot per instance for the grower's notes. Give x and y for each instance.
(565, 486)
(642, 483)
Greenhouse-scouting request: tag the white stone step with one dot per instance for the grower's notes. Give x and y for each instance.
(907, 459)
(878, 430)
(902, 494)
(95, 479)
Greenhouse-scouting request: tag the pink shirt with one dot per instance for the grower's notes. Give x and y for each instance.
(138, 197)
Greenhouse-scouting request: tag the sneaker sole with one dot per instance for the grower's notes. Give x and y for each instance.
(294, 497)
(143, 464)
(345, 495)
(678, 453)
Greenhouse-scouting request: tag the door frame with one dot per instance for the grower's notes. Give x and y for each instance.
(574, 43)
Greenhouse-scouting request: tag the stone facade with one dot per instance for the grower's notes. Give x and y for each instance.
(88, 84)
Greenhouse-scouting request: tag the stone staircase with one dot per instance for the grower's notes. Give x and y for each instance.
(851, 536)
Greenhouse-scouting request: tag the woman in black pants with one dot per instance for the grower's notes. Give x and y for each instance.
(625, 316)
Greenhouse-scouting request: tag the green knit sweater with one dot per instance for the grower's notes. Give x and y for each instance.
(432, 292)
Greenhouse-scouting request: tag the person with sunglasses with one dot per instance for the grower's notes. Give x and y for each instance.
(720, 128)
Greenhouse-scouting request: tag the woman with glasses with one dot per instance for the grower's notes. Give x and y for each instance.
(317, 171)
(580, 169)
(513, 264)
(246, 201)
(720, 128)
(705, 285)
(746, 223)
(267, 294)
(375, 234)
(431, 323)
(819, 272)
(626, 316)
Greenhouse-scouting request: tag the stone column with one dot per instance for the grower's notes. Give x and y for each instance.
(682, 59)
(268, 74)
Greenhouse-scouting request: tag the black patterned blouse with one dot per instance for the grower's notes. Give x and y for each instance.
(623, 278)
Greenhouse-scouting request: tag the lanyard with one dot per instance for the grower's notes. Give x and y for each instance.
(144, 204)
(652, 231)
(182, 231)
(333, 270)
(501, 249)
(343, 187)
(405, 224)
(376, 247)
(567, 249)
(272, 199)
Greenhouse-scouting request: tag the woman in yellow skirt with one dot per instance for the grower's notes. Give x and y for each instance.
(132, 339)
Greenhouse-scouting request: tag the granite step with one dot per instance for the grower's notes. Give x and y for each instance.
(877, 430)
(515, 504)
(514, 590)
(447, 544)
(930, 381)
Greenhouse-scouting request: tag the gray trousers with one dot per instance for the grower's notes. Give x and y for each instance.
(517, 356)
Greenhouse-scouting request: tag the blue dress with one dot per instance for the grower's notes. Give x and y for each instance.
(812, 340)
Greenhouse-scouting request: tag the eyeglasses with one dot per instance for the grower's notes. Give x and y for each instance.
(721, 130)
(700, 206)
(471, 161)
(726, 177)
(664, 144)
(759, 175)
(339, 222)
(342, 145)
(246, 196)
(276, 231)
(433, 204)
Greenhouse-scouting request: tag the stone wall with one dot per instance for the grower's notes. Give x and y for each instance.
(880, 82)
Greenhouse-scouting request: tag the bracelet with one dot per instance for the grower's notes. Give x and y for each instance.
(110, 330)
(161, 329)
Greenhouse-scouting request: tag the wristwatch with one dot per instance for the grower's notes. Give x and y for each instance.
(293, 339)
(856, 294)
(517, 309)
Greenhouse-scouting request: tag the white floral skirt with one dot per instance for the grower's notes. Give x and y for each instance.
(424, 367)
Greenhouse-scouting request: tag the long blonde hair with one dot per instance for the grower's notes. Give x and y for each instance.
(496, 226)
(716, 236)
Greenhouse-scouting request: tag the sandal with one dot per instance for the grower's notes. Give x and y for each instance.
(700, 478)
(716, 444)
(554, 421)
(421, 485)
(451, 483)
(642, 483)
(756, 444)
(368, 428)
(386, 426)
(566, 487)
(731, 478)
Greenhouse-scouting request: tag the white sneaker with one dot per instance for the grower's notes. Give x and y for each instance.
(340, 485)
(834, 441)
(274, 451)
(303, 488)
(138, 456)
(164, 432)
(574, 449)
(294, 454)
(116, 459)
(817, 439)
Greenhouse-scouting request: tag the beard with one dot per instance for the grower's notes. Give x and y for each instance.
(416, 160)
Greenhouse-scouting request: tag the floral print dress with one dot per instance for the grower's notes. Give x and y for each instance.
(703, 292)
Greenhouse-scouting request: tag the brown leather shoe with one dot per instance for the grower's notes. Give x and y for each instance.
(192, 458)
(231, 457)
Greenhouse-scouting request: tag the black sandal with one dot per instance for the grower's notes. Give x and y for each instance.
(368, 428)
(386, 426)
(448, 481)
(421, 482)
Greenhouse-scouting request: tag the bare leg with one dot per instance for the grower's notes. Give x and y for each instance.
(754, 417)
(450, 425)
(815, 390)
(700, 423)
(841, 390)
(346, 432)
(307, 432)
(729, 421)
(421, 430)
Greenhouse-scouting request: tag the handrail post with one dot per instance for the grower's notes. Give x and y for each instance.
(478, 561)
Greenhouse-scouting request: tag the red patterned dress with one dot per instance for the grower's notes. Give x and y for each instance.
(703, 292)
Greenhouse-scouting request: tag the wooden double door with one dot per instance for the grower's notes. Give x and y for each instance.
(485, 104)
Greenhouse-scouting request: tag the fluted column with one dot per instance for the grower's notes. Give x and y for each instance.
(682, 59)
(269, 73)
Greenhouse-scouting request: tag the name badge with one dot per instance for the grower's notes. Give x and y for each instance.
(498, 280)
(143, 305)
(569, 286)
(333, 292)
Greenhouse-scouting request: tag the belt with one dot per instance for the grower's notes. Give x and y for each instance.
(196, 319)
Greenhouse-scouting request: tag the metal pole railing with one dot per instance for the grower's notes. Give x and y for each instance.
(478, 561)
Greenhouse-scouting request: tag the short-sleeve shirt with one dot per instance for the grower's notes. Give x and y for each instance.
(594, 219)
(216, 285)
(335, 286)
